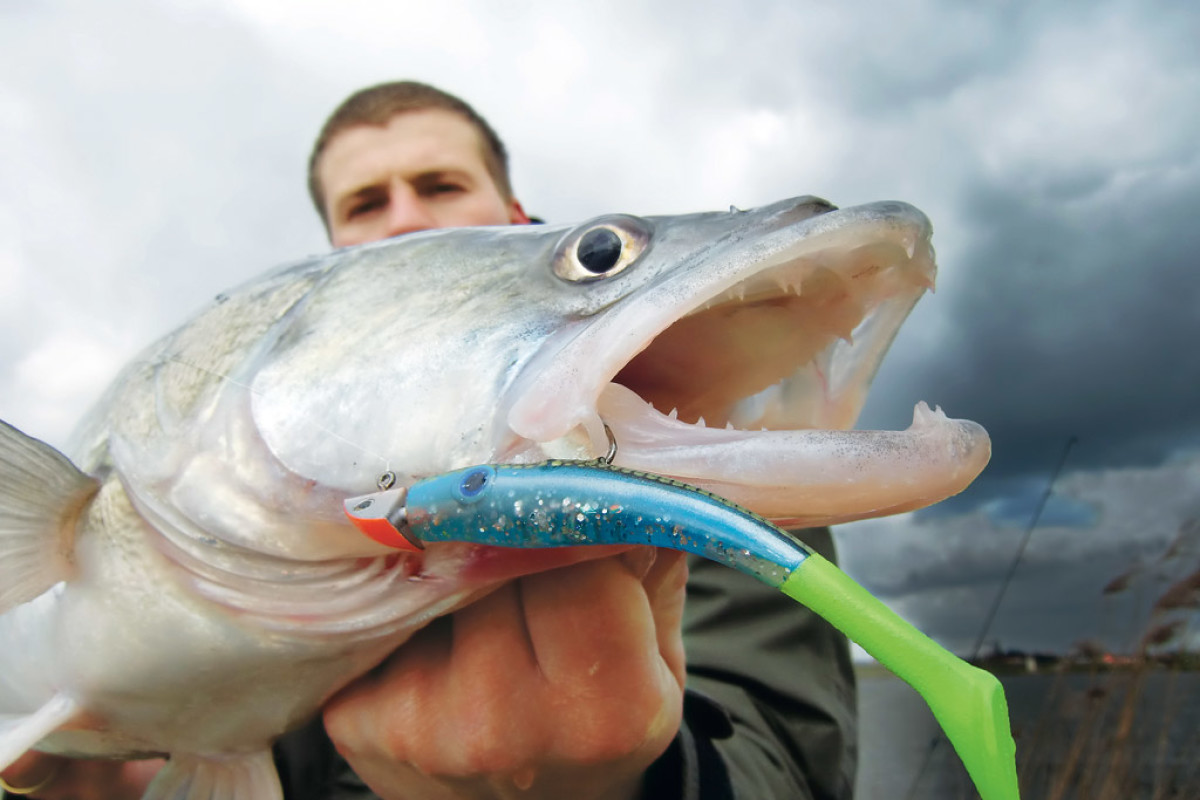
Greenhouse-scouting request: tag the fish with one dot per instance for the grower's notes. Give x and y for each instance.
(183, 581)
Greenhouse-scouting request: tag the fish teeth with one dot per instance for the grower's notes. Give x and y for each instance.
(927, 277)
(844, 328)
(787, 285)
(924, 416)
(674, 413)
(700, 422)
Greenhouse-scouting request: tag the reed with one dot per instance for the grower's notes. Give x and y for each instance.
(1120, 728)
(1113, 734)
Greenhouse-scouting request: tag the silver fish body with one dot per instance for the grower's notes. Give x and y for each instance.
(191, 587)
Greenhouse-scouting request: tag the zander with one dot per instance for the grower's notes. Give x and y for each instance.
(189, 584)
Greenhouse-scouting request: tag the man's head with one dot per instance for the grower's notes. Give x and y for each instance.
(405, 156)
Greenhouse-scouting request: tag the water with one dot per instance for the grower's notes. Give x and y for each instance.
(1114, 736)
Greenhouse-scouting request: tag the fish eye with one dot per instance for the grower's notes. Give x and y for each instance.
(601, 248)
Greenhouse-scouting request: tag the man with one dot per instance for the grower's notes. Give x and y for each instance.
(770, 706)
(409, 159)
(569, 683)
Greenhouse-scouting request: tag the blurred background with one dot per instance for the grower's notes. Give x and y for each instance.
(153, 154)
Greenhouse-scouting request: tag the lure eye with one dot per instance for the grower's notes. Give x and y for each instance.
(474, 483)
(601, 248)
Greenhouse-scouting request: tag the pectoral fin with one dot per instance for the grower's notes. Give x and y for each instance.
(236, 777)
(41, 494)
(20, 733)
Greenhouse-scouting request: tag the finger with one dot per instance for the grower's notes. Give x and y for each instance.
(386, 708)
(505, 563)
(588, 621)
(666, 590)
(495, 689)
(34, 770)
(595, 639)
(57, 778)
(455, 700)
(639, 560)
(491, 637)
(666, 578)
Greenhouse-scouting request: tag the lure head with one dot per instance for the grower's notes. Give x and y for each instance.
(382, 517)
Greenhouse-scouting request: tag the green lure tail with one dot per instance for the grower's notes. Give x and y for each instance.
(573, 503)
(968, 702)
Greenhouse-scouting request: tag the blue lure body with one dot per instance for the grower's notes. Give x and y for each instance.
(572, 503)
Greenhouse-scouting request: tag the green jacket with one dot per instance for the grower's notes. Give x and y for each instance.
(769, 710)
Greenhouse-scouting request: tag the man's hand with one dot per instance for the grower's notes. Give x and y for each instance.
(78, 779)
(568, 683)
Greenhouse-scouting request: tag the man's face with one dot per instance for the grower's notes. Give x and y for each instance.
(423, 169)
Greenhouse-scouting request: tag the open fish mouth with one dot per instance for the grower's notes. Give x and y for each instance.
(744, 374)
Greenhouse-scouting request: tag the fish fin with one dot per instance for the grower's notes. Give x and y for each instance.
(19, 733)
(239, 776)
(41, 494)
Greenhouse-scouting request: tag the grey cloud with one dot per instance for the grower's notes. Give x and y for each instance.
(141, 176)
(1066, 229)
(1053, 601)
(1077, 323)
(167, 122)
(869, 60)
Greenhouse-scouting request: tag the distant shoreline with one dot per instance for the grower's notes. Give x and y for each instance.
(873, 669)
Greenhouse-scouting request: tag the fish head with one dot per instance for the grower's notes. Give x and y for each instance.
(732, 350)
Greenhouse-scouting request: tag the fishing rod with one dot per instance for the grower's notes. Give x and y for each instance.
(572, 503)
(1012, 567)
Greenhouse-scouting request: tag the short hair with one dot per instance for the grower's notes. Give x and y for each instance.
(376, 105)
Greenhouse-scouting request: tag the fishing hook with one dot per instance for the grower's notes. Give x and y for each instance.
(608, 457)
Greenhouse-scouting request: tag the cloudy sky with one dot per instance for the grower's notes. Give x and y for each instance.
(152, 154)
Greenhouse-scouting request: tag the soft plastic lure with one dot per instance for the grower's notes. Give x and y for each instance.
(571, 503)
